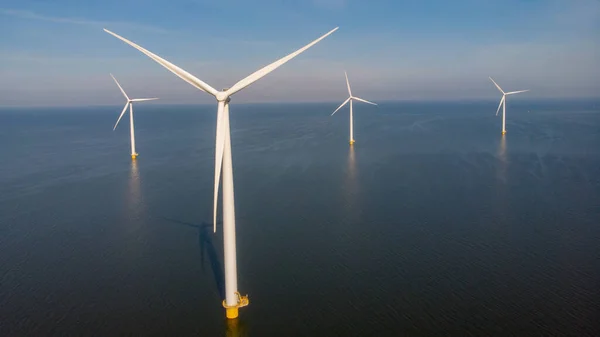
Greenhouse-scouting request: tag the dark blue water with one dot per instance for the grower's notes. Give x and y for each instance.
(432, 225)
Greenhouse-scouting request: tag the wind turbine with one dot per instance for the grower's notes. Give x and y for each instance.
(350, 99)
(130, 105)
(503, 104)
(233, 299)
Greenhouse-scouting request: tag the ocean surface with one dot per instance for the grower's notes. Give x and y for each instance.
(433, 224)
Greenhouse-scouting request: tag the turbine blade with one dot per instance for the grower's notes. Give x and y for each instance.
(267, 69)
(516, 92)
(143, 99)
(363, 100)
(184, 75)
(123, 91)
(346, 101)
(121, 115)
(219, 146)
(348, 84)
(499, 105)
(497, 86)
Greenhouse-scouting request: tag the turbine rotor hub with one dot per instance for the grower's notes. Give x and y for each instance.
(222, 96)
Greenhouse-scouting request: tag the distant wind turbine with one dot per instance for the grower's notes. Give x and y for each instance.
(350, 99)
(233, 299)
(130, 105)
(503, 104)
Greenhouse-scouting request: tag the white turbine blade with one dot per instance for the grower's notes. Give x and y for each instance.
(346, 101)
(219, 146)
(516, 92)
(184, 75)
(143, 99)
(121, 115)
(363, 100)
(348, 84)
(499, 105)
(123, 91)
(497, 86)
(266, 70)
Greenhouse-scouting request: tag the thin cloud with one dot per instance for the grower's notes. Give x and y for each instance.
(29, 15)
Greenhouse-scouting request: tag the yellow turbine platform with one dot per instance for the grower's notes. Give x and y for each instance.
(503, 133)
(134, 156)
(232, 311)
(352, 142)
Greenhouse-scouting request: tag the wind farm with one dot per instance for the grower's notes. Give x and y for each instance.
(503, 103)
(350, 100)
(129, 104)
(413, 217)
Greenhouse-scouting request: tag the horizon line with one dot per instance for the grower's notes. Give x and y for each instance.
(415, 100)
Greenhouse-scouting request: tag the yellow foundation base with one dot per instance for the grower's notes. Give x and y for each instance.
(232, 311)
(134, 156)
(503, 133)
(352, 142)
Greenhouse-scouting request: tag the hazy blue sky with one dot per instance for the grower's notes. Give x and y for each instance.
(55, 52)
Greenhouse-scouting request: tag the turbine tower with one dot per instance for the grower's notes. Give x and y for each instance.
(130, 105)
(233, 299)
(350, 99)
(503, 104)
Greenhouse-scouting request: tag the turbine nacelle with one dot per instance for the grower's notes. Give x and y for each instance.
(222, 96)
(129, 101)
(350, 98)
(504, 94)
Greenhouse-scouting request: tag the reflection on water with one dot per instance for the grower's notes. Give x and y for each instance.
(235, 328)
(351, 191)
(134, 195)
(503, 160)
(135, 204)
(500, 204)
(134, 210)
(350, 182)
(351, 164)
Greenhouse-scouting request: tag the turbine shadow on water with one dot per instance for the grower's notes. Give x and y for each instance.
(205, 244)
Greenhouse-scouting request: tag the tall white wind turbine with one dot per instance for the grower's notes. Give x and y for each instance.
(233, 299)
(130, 105)
(503, 104)
(350, 99)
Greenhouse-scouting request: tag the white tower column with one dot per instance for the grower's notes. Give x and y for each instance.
(351, 124)
(504, 116)
(233, 300)
(132, 132)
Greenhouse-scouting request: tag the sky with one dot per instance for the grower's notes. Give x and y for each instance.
(55, 53)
